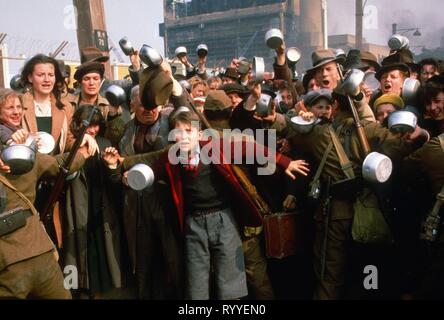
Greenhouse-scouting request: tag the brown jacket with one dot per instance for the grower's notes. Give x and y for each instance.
(61, 120)
(31, 240)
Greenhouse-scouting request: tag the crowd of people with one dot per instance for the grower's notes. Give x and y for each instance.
(197, 232)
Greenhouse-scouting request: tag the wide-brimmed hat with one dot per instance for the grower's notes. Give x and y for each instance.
(370, 59)
(399, 60)
(231, 73)
(92, 54)
(89, 67)
(314, 96)
(234, 88)
(322, 57)
(155, 88)
(217, 100)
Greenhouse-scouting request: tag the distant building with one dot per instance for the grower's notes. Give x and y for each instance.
(237, 28)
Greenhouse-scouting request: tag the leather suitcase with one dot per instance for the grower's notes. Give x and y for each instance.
(283, 234)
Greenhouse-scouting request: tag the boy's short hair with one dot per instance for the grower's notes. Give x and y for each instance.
(186, 117)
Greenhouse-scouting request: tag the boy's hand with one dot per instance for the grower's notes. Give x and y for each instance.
(297, 166)
(111, 156)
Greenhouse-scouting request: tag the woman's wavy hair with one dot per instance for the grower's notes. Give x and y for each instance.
(59, 85)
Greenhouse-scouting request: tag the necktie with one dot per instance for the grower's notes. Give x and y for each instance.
(139, 140)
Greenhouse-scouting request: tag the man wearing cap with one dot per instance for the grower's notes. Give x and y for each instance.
(90, 76)
(330, 257)
(149, 223)
(230, 76)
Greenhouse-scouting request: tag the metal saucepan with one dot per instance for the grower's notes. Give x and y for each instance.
(115, 95)
(263, 105)
(398, 42)
(371, 82)
(244, 66)
(180, 51)
(150, 56)
(15, 83)
(126, 46)
(140, 177)
(274, 38)
(293, 55)
(410, 90)
(19, 157)
(258, 69)
(402, 122)
(303, 126)
(202, 50)
(377, 168)
(45, 144)
(352, 82)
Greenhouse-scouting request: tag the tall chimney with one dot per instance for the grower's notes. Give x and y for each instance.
(359, 21)
(311, 35)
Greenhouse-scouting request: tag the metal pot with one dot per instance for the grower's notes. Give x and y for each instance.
(377, 168)
(126, 46)
(402, 122)
(19, 157)
(244, 66)
(258, 69)
(15, 83)
(398, 42)
(371, 82)
(293, 55)
(181, 51)
(202, 50)
(410, 90)
(263, 105)
(140, 177)
(274, 38)
(115, 95)
(45, 145)
(303, 126)
(352, 82)
(150, 56)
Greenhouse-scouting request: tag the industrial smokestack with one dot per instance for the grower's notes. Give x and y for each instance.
(311, 28)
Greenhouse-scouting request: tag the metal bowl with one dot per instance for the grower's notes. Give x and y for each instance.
(140, 177)
(398, 42)
(371, 82)
(150, 56)
(19, 157)
(180, 51)
(263, 105)
(377, 168)
(115, 95)
(15, 83)
(293, 55)
(351, 83)
(402, 122)
(274, 38)
(126, 46)
(410, 90)
(258, 69)
(303, 125)
(202, 50)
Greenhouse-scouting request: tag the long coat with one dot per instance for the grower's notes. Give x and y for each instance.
(75, 224)
(150, 224)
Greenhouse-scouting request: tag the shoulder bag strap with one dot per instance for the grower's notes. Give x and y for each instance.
(344, 161)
